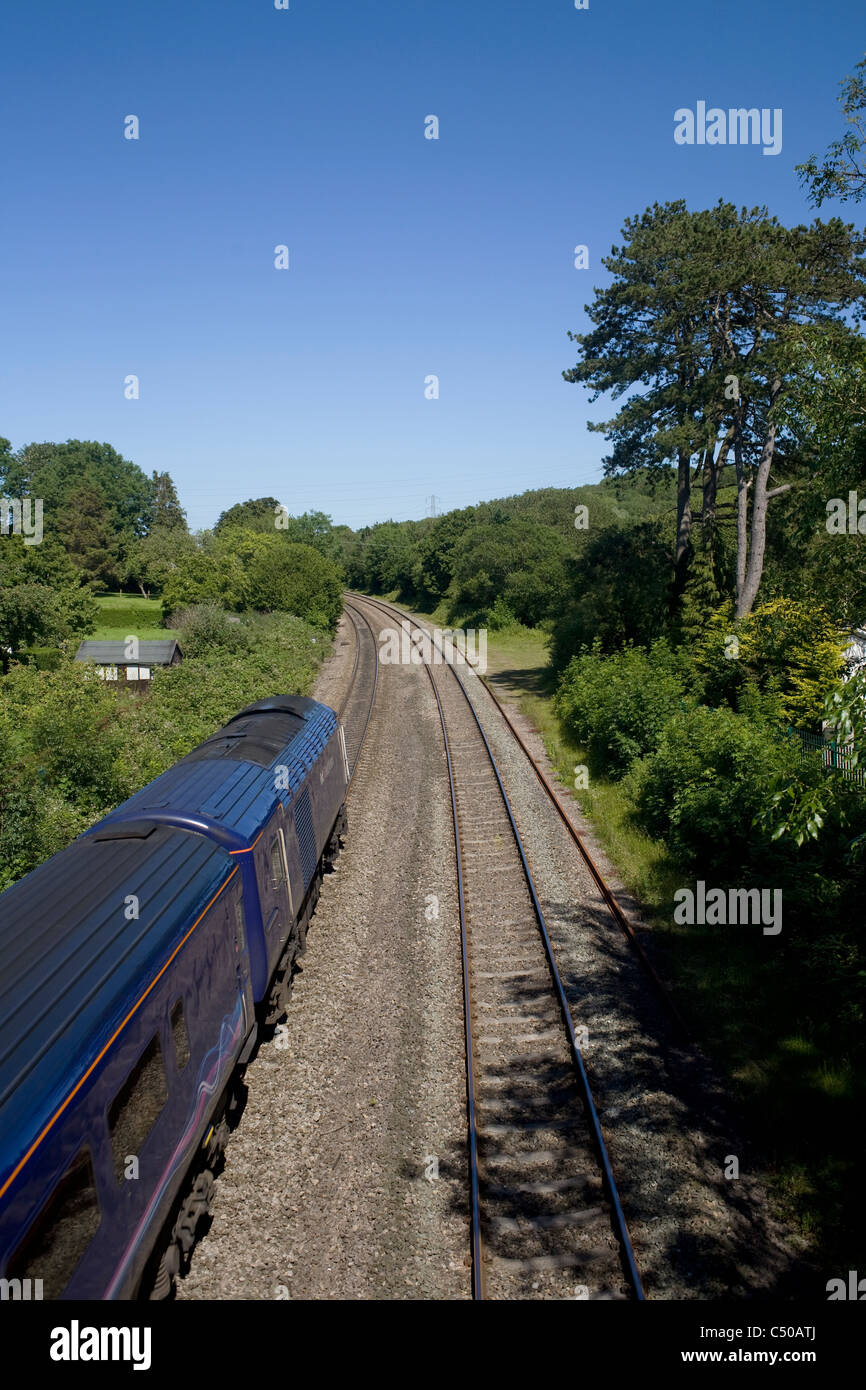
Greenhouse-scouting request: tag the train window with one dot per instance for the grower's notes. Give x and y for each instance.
(276, 864)
(180, 1035)
(61, 1232)
(133, 1112)
(240, 929)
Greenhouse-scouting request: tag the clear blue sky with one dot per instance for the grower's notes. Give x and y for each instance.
(408, 256)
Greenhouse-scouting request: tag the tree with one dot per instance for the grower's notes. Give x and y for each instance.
(310, 528)
(55, 472)
(434, 568)
(842, 172)
(388, 557)
(167, 514)
(256, 514)
(289, 578)
(710, 312)
(619, 589)
(206, 577)
(652, 329)
(86, 531)
(33, 614)
(151, 559)
(521, 563)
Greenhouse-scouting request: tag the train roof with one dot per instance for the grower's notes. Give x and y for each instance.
(230, 778)
(72, 966)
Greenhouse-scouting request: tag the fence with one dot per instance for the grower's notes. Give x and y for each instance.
(839, 757)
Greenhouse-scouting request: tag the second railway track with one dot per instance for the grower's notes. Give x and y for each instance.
(356, 708)
(546, 1217)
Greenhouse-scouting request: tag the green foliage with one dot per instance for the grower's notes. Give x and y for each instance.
(842, 172)
(86, 532)
(789, 651)
(31, 614)
(312, 528)
(521, 563)
(802, 809)
(704, 788)
(617, 705)
(153, 559)
(699, 300)
(286, 577)
(55, 472)
(204, 628)
(256, 514)
(206, 577)
(72, 746)
(43, 658)
(619, 592)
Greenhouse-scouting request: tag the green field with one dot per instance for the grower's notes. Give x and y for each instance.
(123, 615)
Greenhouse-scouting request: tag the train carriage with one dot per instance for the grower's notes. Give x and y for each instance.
(136, 968)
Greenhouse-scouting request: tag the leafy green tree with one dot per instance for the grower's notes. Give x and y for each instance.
(521, 563)
(166, 514)
(216, 577)
(388, 557)
(842, 172)
(86, 532)
(619, 589)
(311, 528)
(152, 559)
(256, 514)
(785, 649)
(434, 568)
(709, 312)
(55, 472)
(36, 615)
(289, 578)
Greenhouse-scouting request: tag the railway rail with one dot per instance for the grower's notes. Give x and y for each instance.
(546, 1217)
(356, 708)
(609, 897)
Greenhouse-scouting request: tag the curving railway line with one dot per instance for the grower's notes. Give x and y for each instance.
(546, 1217)
(356, 708)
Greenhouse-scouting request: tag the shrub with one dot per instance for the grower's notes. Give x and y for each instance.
(289, 578)
(617, 705)
(205, 627)
(785, 649)
(705, 787)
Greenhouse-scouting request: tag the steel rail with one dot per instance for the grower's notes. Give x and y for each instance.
(348, 694)
(565, 1010)
(610, 900)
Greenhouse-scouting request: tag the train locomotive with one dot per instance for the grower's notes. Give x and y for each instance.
(137, 970)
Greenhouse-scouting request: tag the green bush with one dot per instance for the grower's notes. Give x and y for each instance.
(206, 577)
(618, 705)
(43, 658)
(289, 578)
(788, 651)
(204, 627)
(705, 787)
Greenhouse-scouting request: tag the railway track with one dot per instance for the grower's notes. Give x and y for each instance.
(357, 705)
(546, 1218)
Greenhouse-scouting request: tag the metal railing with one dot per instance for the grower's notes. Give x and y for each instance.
(839, 757)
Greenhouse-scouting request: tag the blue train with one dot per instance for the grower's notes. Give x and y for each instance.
(137, 968)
